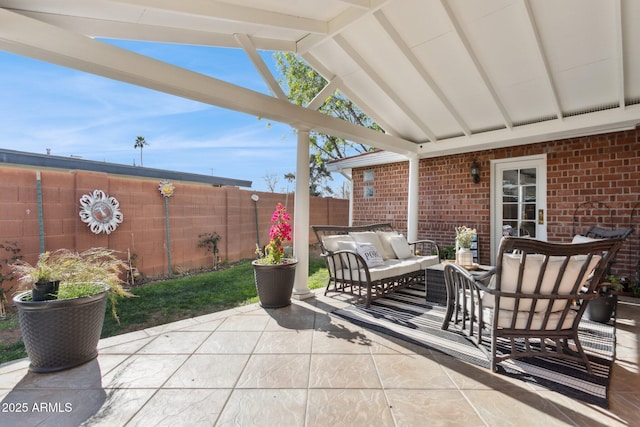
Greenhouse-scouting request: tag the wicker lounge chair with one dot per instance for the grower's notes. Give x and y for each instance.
(535, 299)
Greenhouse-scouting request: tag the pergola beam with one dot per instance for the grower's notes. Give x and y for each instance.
(384, 86)
(476, 63)
(417, 65)
(231, 12)
(103, 28)
(535, 34)
(28, 37)
(619, 53)
(262, 68)
(320, 68)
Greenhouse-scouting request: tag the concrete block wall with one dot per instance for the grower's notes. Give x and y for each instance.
(193, 209)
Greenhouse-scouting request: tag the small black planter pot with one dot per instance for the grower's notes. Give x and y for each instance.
(601, 309)
(274, 283)
(45, 291)
(60, 334)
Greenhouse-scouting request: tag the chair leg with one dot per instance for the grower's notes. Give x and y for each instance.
(494, 344)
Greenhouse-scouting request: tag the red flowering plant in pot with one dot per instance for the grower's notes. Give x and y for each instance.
(273, 272)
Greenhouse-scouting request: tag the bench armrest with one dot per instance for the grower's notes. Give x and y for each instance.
(345, 260)
(425, 247)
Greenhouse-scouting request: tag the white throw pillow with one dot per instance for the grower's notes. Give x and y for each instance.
(387, 248)
(337, 242)
(370, 254)
(369, 237)
(401, 246)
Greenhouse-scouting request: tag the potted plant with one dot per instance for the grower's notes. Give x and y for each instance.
(63, 330)
(464, 236)
(602, 308)
(274, 273)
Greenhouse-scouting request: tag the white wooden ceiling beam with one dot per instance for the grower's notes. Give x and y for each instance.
(476, 62)
(380, 82)
(232, 12)
(535, 34)
(326, 92)
(362, 4)
(262, 68)
(108, 29)
(417, 65)
(366, 108)
(599, 122)
(619, 52)
(38, 40)
(339, 24)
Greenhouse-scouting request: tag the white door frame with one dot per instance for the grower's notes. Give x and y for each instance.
(497, 166)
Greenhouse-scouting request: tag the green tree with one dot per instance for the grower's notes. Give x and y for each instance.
(140, 143)
(302, 83)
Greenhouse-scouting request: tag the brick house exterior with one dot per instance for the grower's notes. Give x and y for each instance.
(604, 168)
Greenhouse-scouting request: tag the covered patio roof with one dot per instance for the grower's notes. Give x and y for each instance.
(440, 76)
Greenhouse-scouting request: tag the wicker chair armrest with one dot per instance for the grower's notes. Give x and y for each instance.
(425, 247)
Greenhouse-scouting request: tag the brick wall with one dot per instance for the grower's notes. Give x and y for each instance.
(193, 209)
(595, 168)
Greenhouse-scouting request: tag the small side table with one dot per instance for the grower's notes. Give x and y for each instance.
(435, 288)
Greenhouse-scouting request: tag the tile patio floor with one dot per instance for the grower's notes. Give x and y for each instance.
(297, 366)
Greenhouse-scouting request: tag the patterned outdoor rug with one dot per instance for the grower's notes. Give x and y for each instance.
(406, 315)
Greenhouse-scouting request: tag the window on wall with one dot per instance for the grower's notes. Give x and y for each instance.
(368, 192)
(368, 175)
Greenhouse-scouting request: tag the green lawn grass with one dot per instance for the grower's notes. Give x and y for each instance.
(169, 300)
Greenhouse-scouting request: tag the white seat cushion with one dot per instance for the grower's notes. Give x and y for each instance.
(390, 268)
(505, 318)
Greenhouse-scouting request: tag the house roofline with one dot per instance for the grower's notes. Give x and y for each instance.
(57, 162)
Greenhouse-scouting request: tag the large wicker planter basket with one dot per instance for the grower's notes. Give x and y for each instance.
(60, 334)
(274, 283)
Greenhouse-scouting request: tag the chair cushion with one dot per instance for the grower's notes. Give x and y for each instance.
(387, 247)
(400, 247)
(505, 318)
(509, 280)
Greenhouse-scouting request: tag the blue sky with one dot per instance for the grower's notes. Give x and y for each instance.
(73, 113)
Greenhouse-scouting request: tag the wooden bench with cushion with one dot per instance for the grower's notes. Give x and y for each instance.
(372, 258)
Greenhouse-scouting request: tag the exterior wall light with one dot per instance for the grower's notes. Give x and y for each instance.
(475, 172)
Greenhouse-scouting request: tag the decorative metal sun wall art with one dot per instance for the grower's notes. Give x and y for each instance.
(100, 212)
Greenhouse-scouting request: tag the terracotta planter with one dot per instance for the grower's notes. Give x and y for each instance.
(60, 334)
(274, 283)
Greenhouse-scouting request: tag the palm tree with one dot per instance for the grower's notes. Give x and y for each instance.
(140, 142)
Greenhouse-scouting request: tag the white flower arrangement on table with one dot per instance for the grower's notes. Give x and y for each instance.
(464, 236)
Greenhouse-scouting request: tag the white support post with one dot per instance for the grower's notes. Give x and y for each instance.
(301, 218)
(414, 186)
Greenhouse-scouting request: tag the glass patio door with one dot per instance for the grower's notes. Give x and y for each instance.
(519, 199)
